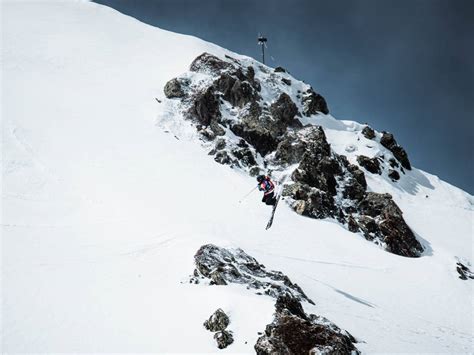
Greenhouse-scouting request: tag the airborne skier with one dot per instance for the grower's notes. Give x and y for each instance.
(266, 185)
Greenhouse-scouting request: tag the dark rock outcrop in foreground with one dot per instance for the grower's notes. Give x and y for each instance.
(222, 266)
(294, 332)
(252, 121)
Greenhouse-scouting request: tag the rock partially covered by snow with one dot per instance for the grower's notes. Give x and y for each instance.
(217, 321)
(370, 164)
(463, 271)
(389, 142)
(380, 218)
(222, 266)
(224, 338)
(294, 332)
(173, 89)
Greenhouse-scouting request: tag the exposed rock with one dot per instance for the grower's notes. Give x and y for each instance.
(222, 266)
(314, 103)
(222, 157)
(206, 107)
(218, 321)
(223, 338)
(464, 272)
(371, 165)
(279, 70)
(284, 109)
(286, 81)
(220, 144)
(294, 332)
(394, 175)
(393, 163)
(368, 132)
(389, 142)
(261, 131)
(387, 224)
(245, 156)
(173, 89)
(235, 91)
(208, 63)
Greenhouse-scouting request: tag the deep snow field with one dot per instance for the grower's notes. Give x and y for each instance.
(102, 211)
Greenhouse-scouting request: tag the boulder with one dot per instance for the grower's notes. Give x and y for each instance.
(368, 132)
(313, 103)
(380, 218)
(294, 332)
(223, 338)
(394, 175)
(218, 321)
(389, 142)
(173, 89)
(371, 165)
(279, 70)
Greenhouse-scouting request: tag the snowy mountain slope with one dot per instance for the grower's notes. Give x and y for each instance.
(103, 211)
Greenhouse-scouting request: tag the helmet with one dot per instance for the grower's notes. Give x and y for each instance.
(260, 178)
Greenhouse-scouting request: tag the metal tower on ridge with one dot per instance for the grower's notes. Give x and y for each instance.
(262, 41)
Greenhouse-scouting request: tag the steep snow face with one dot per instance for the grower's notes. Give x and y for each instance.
(102, 211)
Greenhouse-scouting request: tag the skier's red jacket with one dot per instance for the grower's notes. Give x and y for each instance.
(267, 186)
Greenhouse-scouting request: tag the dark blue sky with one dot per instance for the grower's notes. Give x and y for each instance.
(405, 66)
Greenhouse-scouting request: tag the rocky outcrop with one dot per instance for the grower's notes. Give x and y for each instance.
(250, 120)
(381, 219)
(368, 132)
(208, 63)
(389, 142)
(314, 103)
(173, 89)
(294, 332)
(222, 266)
(372, 165)
(394, 175)
(218, 323)
(464, 272)
(223, 338)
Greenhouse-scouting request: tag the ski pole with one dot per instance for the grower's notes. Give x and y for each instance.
(246, 195)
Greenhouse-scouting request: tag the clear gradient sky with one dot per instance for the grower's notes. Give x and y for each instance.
(405, 66)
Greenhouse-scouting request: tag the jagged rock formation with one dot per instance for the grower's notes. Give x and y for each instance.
(222, 266)
(253, 122)
(294, 332)
(389, 142)
(218, 323)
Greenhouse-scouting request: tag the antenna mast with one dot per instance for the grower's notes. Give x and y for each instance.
(262, 41)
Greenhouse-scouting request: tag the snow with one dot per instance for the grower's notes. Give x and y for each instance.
(102, 210)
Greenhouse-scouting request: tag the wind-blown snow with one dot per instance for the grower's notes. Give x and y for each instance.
(102, 211)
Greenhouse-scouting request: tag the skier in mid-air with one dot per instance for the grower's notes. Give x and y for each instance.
(266, 185)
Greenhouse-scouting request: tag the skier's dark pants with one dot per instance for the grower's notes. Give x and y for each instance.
(269, 199)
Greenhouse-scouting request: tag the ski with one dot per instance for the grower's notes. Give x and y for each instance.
(270, 221)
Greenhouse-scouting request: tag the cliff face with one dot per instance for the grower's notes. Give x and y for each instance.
(264, 121)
